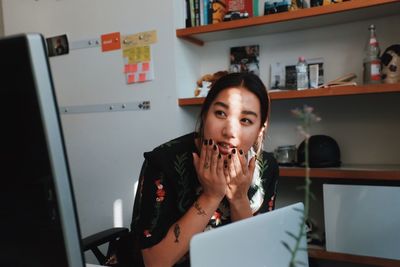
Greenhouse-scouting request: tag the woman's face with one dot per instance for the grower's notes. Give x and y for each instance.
(233, 120)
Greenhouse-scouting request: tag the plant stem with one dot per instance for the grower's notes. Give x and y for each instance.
(302, 232)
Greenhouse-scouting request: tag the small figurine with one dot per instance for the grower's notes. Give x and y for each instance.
(391, 64)
(218, 11)
(205, 82)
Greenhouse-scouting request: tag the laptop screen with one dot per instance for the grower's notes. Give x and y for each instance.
(38, 221)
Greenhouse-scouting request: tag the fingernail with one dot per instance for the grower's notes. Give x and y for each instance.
(215, 147)
(233, 151)
(205, 142)
(210, 142)
(241, 152)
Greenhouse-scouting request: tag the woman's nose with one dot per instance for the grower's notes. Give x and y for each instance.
(229, 129)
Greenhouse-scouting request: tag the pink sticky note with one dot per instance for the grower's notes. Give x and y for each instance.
(145, 66)
(129, 68)
(131, 78)
(142, 77)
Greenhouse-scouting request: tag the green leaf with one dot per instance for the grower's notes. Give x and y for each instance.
(286, 245)
(301, 263)
(291, 235)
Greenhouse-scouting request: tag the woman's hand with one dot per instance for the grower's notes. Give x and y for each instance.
(239, 175)
(210, 170)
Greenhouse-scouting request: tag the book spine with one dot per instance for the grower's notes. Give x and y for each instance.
(192, 19)
(256, 11)
(249, 7)
(188, 22)
(210, 11)
(205, 11)
(197, 12)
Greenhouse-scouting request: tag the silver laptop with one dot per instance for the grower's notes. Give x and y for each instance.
(255, 241)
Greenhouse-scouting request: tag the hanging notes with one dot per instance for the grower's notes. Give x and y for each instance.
(137, 56)
(110, 41)
(138, 64)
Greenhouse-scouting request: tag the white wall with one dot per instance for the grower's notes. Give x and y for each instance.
(105, 149)
(1, 19)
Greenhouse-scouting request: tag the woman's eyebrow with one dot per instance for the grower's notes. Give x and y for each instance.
(245, 112)
(249, 112)
(222, 104)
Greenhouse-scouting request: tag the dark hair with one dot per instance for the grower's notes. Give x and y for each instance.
(248, 81)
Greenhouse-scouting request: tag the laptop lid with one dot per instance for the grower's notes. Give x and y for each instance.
(256, 241)
(39, 225)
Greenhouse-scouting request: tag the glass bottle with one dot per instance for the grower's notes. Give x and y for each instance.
(372, 62)
(302, 74)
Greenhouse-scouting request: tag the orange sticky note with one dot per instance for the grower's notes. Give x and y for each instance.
(110, 41)
(129, 68)
(145, 66)
(142, 77)
(131, 78)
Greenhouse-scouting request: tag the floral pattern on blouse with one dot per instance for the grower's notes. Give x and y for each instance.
(168, 187)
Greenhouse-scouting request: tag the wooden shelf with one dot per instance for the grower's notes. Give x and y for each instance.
(321, 92)
(344, 12)
(374, 261)
(347, 172)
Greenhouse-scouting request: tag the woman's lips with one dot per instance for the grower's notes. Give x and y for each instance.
(224, 148)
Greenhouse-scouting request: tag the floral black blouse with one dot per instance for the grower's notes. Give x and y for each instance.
(168, 187)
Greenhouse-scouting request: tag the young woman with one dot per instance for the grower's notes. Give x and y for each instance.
(209, 178)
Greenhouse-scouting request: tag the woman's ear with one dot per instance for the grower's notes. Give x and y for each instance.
(263, 129)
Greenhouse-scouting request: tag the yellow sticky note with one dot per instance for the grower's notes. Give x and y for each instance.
(139, 39)
(137, 54)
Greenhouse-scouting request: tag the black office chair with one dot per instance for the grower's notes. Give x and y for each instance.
(120, 243)
(110, 236)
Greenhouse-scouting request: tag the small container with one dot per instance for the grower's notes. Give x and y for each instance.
(286, 155)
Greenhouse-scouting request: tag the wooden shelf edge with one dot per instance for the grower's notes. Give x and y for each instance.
(382, 173)
(335, 91)
(189, 33)
(326, 255)
(321, 92)
(191, 101)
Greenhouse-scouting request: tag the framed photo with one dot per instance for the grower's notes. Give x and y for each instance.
(57, 45)
(245, 59)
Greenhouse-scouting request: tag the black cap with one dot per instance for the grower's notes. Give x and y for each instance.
(323, 152)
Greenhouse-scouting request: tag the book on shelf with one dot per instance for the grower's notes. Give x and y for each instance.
(198, 12)
(241, 6)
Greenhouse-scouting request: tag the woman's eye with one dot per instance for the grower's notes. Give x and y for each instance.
(246, 121)
(220, 113)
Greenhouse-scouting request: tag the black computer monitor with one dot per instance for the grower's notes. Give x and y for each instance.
(38, 218)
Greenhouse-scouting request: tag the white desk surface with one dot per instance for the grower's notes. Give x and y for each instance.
(92, 265)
